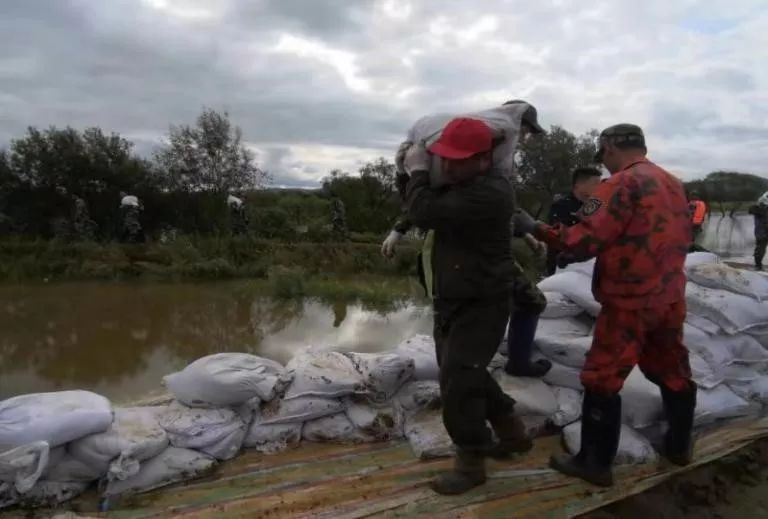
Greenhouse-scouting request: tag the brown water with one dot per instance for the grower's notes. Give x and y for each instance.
(119, 340)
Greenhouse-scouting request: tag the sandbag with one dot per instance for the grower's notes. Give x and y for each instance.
(569, 404)
(569, 351)
(51, 493)
(721, 403)
(755, 390)
(298, 410)
(67, 468)
(135, 436)
(171, 466)
(702, 373)
(694, 259)
(641, 401)
(702, 324)
(337, 428)
(532, 396)
(586, 268)
(558, 306)
(417, 395)
(725, 277)
(421, 348)
(721, 351)
(563, 376)
(377, 422)
(326, 374)
(22, 466)
(383, 373)
(734, 313)
(575, 286)
(55, 418)
(427, 435)
(271, 438)
(216, 432)
(634, 449)
(504, 122)
(225, 379)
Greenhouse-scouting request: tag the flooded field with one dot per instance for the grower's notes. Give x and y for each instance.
(119, 339)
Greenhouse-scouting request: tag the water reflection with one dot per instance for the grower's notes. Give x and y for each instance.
(119, 340)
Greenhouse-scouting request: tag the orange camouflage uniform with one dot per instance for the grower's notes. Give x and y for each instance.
(638, 225)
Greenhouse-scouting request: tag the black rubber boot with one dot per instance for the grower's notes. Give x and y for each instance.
(468, 472)
(679, 407)
(510, 433)
(522, 331)
(600, 431)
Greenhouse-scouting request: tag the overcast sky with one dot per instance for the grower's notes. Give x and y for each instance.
(320, 84)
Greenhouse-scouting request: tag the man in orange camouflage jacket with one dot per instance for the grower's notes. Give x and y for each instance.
(637, 224)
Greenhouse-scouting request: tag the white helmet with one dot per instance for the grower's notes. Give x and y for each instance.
(763, 200)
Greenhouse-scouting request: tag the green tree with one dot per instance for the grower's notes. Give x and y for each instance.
(209, 156)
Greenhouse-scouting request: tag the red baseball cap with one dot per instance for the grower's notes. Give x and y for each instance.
(462, 138)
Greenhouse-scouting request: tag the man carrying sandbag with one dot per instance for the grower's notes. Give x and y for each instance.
(638, 226)
(760, 212)
(472, 275)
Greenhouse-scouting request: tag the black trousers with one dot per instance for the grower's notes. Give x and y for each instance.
(760, 245)
(467, 335)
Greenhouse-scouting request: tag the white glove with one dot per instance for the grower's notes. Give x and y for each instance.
(389, 244)
(416, 159)
(523, 222)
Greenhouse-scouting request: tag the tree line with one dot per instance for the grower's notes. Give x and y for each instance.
(184, 185)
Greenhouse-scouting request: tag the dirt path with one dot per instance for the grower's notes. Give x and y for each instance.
(733, 487)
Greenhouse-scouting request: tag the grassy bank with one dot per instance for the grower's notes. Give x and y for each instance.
(199, 258)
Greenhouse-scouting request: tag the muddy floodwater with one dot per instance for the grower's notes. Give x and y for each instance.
(119, 339)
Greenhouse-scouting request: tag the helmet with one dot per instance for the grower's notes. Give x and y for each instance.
(763, 200)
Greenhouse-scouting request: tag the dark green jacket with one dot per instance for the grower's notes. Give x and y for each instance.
(472, 257)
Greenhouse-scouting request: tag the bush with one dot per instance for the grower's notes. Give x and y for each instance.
(287, 282)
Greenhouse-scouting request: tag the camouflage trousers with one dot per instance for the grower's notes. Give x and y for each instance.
(651, 338)
(526, 296)
(132, 231)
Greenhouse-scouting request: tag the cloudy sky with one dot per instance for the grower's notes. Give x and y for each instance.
(320, 84)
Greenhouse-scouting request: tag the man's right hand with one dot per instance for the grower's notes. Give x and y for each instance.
(524, 223)
(390, 244)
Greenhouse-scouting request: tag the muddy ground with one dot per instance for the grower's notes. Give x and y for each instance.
(733, 487)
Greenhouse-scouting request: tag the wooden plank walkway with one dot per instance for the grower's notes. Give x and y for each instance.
(384, 480)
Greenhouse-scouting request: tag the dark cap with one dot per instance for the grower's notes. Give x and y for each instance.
(530, 116)
(624, 133)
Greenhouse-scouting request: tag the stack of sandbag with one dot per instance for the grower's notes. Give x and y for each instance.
(31, 428)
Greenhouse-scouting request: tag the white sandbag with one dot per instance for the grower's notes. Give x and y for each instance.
(56, 418)
(575, 286)
(504, 122)
(702, 373)
(378, 422)
(298, 410)
(171, 466)
(135, 436)
(271, 438)
(569, 404)
(695, 259)
(417, 395)
(569, 351)
(724, 277)
(383, 373)
(225, 379)
(641, 401)
(23, 466)
(51, 493)
(721, 351)
(427, 435)
(421, 348)
(755, 390)
(67, 468)
(326, 374)
(702, 324)
(532, 396)
(734, 313)
(634, 449)
(216, 432)
(586, 268)
(721, 403)
(565, 327)
(333, 429)
(564, 376)
(558, 305)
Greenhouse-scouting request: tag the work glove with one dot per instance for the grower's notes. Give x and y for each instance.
(538, 247)
(416, 159)
(390, 243)
(524, 223)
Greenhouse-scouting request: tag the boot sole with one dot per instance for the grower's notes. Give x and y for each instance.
(438, 489)
(569, 470)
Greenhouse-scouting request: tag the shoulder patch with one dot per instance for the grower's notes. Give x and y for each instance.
(591, 206)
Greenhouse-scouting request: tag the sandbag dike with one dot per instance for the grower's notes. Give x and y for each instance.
(236, 405)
